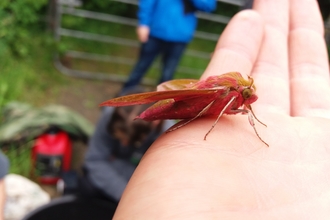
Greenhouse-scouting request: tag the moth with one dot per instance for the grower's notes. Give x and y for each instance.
(189, 99)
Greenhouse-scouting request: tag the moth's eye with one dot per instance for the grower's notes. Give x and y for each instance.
(246, 93)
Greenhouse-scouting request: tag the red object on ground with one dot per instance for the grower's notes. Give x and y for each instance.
(51, 155)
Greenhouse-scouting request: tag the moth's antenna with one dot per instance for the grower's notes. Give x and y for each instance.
(252, 81)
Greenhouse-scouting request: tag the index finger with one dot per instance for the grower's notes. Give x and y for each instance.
(271, 72)
(238, 46)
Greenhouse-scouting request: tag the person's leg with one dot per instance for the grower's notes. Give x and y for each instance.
(87, 189)
(172, 53)
(148, 53)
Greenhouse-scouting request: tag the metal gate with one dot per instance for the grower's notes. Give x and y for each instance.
(71, 7)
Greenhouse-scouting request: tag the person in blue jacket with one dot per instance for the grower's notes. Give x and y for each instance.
(165, 28)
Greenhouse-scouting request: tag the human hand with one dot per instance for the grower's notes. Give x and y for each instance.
(143, 33)
(233, 175)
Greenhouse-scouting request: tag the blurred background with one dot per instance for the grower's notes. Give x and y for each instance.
(64, 57)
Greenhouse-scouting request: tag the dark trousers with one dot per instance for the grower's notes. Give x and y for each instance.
(170, 54)
(86, 189)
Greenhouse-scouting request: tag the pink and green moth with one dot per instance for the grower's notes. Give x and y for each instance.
(189, 99)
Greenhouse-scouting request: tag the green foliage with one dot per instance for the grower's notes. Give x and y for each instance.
(29, 78)
(18, 18)
(111, 7)
(223, 9)
(20, 159)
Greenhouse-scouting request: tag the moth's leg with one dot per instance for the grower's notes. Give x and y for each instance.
(250, 108)
(190, 120)
(251, 120)
(246, 111)
(251, 115)
(219, 116)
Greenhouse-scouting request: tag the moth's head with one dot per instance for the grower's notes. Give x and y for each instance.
(248, 92)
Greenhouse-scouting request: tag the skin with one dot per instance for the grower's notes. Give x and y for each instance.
(142, 32)
(233, 175)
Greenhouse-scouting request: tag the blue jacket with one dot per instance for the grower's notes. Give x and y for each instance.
(167, 19)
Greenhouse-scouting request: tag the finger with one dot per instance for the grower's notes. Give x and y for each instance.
(238, 46)
(271, 69)
(308, 61)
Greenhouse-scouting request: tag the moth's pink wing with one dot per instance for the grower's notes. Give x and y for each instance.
(148, 97)
(176, 84)
(182, 109)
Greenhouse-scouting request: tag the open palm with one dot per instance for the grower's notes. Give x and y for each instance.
(233, 175)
